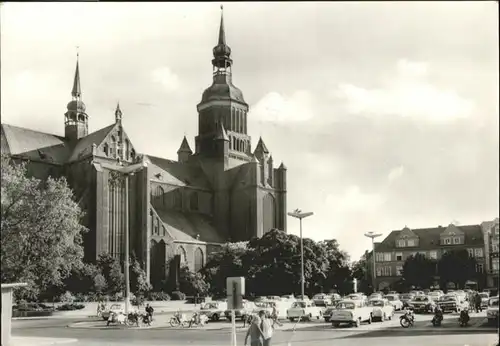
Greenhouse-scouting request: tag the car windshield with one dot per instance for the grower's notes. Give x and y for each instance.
(407, 296)
(345, 305)
(319, 296)
(354, 297)
(483, 295)
(299, 305)
(421, 299)
(376, 303)
(448, 297)
(390, 298)
(210, 306)
(493, 301)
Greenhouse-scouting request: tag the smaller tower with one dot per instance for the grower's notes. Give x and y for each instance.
(262, 154)
(75, 119)
(118, 114)
(270, 174)
(184, 152)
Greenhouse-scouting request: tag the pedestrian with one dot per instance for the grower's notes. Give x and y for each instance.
(254, 332)
(477, 300)
(150, 311)
(266, 327)
(274, 316)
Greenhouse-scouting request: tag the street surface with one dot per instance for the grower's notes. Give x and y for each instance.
(315, 333)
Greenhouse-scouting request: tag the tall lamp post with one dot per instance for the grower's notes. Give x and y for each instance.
(373, 236)
(298, 214)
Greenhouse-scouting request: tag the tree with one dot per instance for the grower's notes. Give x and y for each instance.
(338, 275)
(419, 271)
(139, 283)
(112, 272)
(41, 232)
(457, 266)
(82, 280)
(192, 284)
(360, 273)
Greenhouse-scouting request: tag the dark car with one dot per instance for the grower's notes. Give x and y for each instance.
(422, 304)
(327, 314)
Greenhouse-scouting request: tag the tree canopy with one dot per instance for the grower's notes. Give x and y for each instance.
(41, 229)
(419, 271)
(457, 266)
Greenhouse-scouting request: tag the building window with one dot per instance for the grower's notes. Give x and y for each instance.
(379, 273)
(456, 240)
(479, 267)
(401, 243)
(157, 227)
(495, 264)
(106, 149)
(494, 247)
(399, 271)
(387, 256)
(478, 252)
(379, 257)
(433, 254)
(471, 252)
(447, 241)
(497, 230)
(411, 242)
(399, 256)
(386, 271)
(163, 231)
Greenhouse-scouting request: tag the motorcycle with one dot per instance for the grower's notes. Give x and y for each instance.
(197, 320)
(178, 320)
(133, 318)
(464, 318)
(438, 318)
(406, 320)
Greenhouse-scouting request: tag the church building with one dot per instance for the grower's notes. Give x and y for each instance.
(176, 211)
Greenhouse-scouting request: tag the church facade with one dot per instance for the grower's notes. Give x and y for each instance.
(176, 211)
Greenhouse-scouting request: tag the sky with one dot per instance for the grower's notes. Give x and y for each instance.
(385, 114)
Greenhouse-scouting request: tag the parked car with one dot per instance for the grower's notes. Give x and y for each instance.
(422, 304)
(289, 297)
(382, 309)
(327, 313)
(302, 298)
(357, 296)
(492, 311)
(322, 299)
(375, 296)
(485, 297)
(392, 292)
(406, 298)
(335, 298)
(118, 308)
(393, 299)
(451, 302)
(273, 298)
(214, 310)
(248, 309)
(435, 295)
(351, 312)
(306, 310)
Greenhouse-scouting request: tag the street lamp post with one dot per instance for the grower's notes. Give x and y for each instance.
(373, 236)
(298, 214)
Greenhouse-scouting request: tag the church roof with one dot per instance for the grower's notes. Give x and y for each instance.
(180, 173)
(186, 226)
(221, 133)
(184, 148)
(34, 145)
(261, 147)
(220, 91)
(84, 145)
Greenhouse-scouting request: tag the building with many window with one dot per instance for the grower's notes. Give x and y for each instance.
(391, 253)
(491, 236)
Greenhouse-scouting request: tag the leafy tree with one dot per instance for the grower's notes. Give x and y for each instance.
(82, 279)
(361, 274)
(41, 233)
(338, 274)
(111, 270)
(457, 266)
(419, 271)
(139, 283)
(192, 284)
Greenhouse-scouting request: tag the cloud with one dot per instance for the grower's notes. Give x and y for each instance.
(275, 107)
(165, 77)
(353, 200)
(395, 173)
(408, 94)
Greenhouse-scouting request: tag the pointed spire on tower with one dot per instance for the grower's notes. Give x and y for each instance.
(184, 148)
(261, 147)
(222, 33)
(77, 91)
(118, 113)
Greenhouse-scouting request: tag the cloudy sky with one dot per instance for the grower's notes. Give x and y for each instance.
(386, 114)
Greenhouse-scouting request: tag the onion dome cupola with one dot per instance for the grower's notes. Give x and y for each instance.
(76, 120)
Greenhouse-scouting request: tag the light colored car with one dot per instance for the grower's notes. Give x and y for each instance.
(322, 299)
(273, 298)
(266, 306)
(485, 298)
(351, 312)
(248, 309)
(118, 308)
(306, 310)
(435, 295)
(382, 309)
(451, 302)
(492, 311)
(394, 301)
(406, 297)
(214, 310)
(356, 296)
(288, 297)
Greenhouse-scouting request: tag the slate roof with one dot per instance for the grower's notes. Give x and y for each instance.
(429, 238)
(180, 173)
(186, 227)
(84, 145)
(34, 145)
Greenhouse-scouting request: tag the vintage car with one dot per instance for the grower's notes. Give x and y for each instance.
(435, 295)
(351, 312)
(214, 310)
(375, 296)
(382, 309)
(288, 297)
(305, 310)
(273, 298)
(322, 299)
(451, 303)
(327, 313)
(422, 304)
(406, 297)
(485, 298)
(492, 311)
(335, 298)
(394, 301)
(247, 310)
(118, 309)
(266, 306)
(357, 296)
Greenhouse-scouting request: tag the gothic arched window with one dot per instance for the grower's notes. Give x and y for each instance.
(106, 149)
(269, 212)
(183, 254)
(193, 201)
(198, 259)
(157, 226)
(163, 231)
(160, 195)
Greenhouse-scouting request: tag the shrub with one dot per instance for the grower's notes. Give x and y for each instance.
(158, 296)
(67, 297)
(177, 295)
(69, 307)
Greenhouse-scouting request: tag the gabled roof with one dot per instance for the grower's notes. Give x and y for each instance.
(261, 147)
(34, 145)
(84, 145)
(180, 173)
(429, 238)
(184, 148)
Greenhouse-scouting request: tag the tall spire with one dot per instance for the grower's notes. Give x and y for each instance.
(222, 33)
(118, 113)
(77, 91)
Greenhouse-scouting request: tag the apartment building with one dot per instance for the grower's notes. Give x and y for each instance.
(391, 253)
(491, 237)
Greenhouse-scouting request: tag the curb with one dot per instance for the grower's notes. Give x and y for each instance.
(29, 341)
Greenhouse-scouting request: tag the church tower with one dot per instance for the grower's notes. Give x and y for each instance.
(222, 112)
(76, 121)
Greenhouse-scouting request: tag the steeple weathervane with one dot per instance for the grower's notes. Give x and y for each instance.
(77, 91)
(222, 34)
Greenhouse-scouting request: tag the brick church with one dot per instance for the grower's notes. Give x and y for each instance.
(177, 209)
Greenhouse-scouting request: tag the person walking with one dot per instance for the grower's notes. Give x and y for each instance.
(254, 332)
(266, 327)
(477, 301)
(274, 316)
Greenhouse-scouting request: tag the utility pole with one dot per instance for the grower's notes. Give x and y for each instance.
(373, 236)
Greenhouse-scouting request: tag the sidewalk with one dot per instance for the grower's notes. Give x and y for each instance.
(39, 341)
